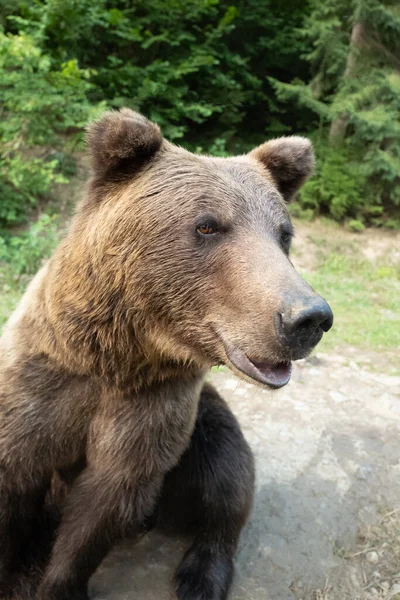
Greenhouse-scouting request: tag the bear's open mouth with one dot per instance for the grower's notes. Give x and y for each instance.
(275, 375)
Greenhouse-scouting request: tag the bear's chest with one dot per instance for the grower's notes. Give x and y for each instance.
(149, 429)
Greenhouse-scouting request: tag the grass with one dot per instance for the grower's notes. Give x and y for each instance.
(364, 299)
(362, 287)
(21, 256)
(11, 290)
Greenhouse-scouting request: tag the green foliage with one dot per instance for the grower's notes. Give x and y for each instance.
(355, 226)
(21, 255)
(355, 58)
(24, 181)
(194, 66)
(339, 186)
(27, 251)
(40, 105)
(297, 211)
(218, 77)
(197, 67)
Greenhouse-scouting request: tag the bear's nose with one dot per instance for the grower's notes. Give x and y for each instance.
(302, 326)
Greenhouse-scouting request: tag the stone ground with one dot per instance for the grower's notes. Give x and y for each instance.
(328, 462)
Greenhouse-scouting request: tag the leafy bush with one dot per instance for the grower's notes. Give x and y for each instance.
(27, 251)
(355, 225)
(22, 183)
(40, 104)
(198, 68)
(338, 186)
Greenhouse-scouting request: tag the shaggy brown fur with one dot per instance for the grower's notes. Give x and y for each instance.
(207, 496)
(102, 364)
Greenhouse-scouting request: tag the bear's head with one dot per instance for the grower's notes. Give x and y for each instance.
(190, 254)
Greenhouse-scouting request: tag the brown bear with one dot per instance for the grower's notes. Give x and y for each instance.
(173, 263)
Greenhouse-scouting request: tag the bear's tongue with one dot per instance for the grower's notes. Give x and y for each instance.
(275, 375)
(278, 374)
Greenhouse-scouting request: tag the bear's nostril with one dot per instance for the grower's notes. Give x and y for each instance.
(307, 324)
(327, 324)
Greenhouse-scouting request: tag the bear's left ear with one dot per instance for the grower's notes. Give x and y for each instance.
(289, 160)
(120, 142)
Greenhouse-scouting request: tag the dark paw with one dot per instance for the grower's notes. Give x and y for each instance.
(70, 596)
(5, 585)
(204, 575)
(4, 591)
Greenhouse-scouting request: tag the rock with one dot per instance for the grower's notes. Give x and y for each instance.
(376, 575)
(353, 577)
(395, 590)
(363, 472)
(372, 557)
(385, 586)
(314, 360)
(337, 397)
(314, 371)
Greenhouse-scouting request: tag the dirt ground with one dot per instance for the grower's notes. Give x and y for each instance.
(374, 245)
(326, 520)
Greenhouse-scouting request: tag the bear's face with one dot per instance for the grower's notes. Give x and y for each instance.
(201, 247)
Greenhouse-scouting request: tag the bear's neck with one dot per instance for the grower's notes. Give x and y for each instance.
(91, 332)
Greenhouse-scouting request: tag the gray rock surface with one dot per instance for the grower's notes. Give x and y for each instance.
(328, 459)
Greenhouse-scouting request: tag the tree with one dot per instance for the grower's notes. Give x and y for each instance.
(338, 127)
(355, 92)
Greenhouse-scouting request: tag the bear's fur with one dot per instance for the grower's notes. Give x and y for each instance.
(173, 263)
(207, 496)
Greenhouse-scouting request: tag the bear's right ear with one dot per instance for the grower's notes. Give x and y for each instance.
(120, 142)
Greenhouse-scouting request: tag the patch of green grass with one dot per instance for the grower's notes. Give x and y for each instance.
(364, 298)
(10, 293)
(21, 256)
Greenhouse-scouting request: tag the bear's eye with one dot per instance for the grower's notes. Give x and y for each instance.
(207, 229)
(286, 238)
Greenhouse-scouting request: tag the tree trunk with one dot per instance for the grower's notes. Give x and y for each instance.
(338, 128)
